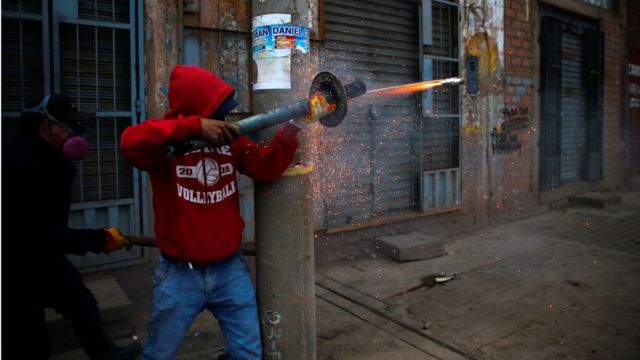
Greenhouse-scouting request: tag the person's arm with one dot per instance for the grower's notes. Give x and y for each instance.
(77, 241)
(33, 225)
(143, 145)
(32, 228)
(81, 241)
(267, 162)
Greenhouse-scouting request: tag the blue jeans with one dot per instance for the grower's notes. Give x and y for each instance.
(181, 293)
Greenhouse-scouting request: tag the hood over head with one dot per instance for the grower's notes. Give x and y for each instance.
(196, 91)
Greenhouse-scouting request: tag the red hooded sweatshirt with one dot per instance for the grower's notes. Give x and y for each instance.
(195, 196)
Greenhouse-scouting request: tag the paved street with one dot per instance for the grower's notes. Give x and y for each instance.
(560, 285)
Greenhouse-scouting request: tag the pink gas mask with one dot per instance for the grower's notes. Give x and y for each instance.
(75, 147)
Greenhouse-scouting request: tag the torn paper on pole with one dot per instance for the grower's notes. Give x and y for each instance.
(273, 38)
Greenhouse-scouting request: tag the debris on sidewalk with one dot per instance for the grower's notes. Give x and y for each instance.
(428, 281)
(443, 279)
(435, 279)
(572, 283)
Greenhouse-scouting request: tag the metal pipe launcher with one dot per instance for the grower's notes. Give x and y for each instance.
(327, 103)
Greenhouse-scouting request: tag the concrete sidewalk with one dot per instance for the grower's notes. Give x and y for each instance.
(560, 285)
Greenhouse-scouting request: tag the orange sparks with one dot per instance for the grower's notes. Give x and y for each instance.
(406, 89)
(319, 106)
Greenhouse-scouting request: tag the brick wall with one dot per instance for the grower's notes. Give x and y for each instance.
(519, 83)
(521, 76)
(613, 52)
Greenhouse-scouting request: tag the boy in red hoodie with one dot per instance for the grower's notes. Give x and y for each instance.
(197, 215)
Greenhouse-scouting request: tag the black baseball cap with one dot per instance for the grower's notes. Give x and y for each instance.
(62, 109)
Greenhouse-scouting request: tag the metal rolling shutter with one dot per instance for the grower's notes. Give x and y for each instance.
(550, 85)
(573, 124)
(592, 55)
(369, 159)
(23, 72)
(571, 88)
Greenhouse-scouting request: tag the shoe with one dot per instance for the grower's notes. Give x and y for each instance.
(127, 352)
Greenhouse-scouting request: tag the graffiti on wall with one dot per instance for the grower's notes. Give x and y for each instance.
(504, 136)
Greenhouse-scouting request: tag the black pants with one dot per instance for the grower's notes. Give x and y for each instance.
(24, 330)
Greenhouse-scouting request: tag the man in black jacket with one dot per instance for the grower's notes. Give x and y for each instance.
(37, 177)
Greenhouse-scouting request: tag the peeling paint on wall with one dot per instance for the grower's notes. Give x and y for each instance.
(483, 36)
(485, 16)
(160, 50)
(485, 48)
(471, 128)
(482, 33)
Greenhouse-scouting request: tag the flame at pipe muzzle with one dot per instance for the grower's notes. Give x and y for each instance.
(327, 103)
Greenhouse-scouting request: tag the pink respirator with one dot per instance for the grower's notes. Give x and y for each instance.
(76, 147)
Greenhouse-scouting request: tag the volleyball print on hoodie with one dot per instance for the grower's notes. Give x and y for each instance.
(195, 196)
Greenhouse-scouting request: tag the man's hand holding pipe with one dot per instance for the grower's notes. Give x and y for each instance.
(218, 132)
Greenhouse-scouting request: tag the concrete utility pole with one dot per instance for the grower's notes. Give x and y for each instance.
(284, 223)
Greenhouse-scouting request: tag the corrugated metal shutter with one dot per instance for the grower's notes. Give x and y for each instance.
(592, 55)
(23, 72)
(551, 83)
(573, 124)
(369, 159)
(571, 120)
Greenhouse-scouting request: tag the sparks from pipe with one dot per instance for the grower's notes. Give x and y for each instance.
(414, 87)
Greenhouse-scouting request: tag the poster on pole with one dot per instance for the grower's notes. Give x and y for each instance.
(269, 38)
(272, 40)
